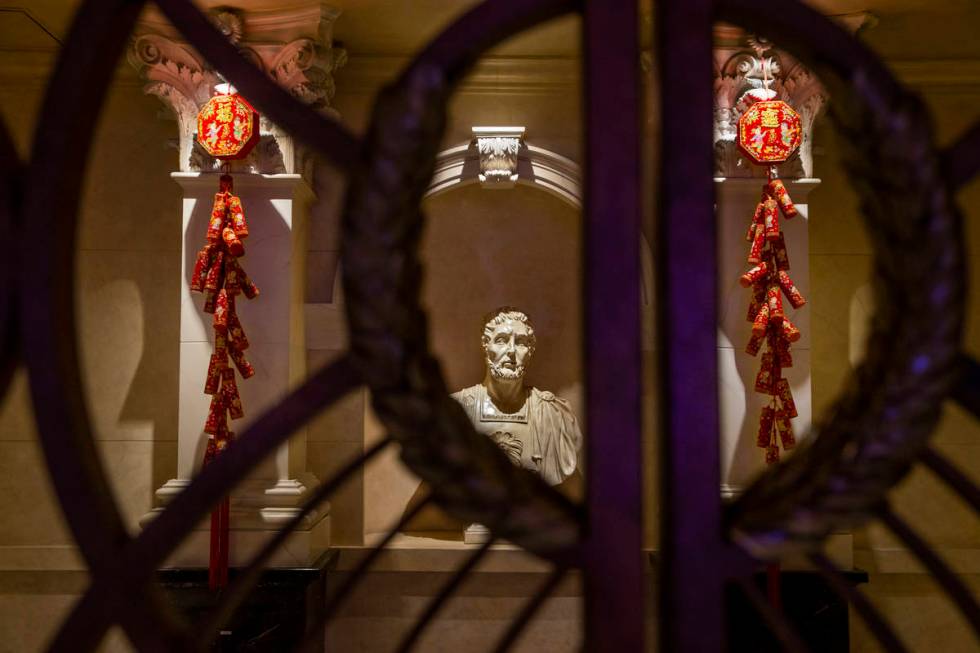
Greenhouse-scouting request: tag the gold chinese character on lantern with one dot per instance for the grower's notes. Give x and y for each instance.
(769, 131)
(228, 126)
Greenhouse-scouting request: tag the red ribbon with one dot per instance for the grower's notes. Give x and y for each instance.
(769, 281)
(218, 274)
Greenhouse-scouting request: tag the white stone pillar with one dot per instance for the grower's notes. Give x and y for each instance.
(276, 207)
(294, 46)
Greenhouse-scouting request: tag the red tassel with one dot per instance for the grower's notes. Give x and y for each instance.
(237, 216)
(232, 244)
(790, 333)
(771, 216)
(764, 379)
(755, 344)
(201, 268)
(236, 334)
(229, 394)
(778, 191)
(758, 243)
(786, 397)
(218, 363)
(249, 289)
(772, 455)
(792, 294)
(761, 323)
(217, 421)
(218, 274)
(785, 429)
(775, 300)
(754, 274)
(764, 437)
(217, 220)
(223, 306)
(244, 367)
(780, 254)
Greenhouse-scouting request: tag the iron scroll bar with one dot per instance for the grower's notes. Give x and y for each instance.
(692, 550)
(614, 563)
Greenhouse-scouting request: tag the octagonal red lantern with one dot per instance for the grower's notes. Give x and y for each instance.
(228, 127)
(769, 132)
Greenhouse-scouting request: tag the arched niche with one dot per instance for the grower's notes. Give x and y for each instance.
(483, 248)
(459, 166)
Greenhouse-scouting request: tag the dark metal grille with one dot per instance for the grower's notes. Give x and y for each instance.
(877, 430)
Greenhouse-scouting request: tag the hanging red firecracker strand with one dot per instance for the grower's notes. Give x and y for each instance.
(228, 129)
(768, 133)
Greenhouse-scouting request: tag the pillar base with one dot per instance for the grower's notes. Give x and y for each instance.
(476, 534)
(257, 511)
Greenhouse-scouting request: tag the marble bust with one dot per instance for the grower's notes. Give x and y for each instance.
(536, 429)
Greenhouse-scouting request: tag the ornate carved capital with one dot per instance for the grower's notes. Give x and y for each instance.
(738, 70)
(498, 148)
(293, 46)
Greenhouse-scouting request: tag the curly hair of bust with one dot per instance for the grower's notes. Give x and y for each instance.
(504, 314)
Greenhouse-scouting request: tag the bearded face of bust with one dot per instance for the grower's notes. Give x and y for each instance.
(508, 343)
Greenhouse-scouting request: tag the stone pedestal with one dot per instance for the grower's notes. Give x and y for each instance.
(277, 616)
(276, 207)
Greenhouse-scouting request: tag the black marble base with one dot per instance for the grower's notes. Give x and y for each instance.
(275, 617)
(817, 613)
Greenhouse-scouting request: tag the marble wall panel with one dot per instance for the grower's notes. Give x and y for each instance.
(138, 210)
(923, 617)
(324, 459)
(30, 515)
(344, 420)
(836, 227)
(17, 411)
(385, 607)
(128, 328)
(837, 320)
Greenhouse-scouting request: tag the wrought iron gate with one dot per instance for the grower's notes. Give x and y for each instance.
(876, 431)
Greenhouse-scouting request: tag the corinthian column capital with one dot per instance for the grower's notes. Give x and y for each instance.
(293, 46)
(741, 63)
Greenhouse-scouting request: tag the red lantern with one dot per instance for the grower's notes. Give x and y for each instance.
(228, 127)
(769, 132)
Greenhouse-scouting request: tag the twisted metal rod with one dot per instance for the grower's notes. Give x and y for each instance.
(457, 47)
(246, 578)
(958, 591)
(144, 554)
(335, 600)
(960, 159)
(11, 173)
(966, 392)
(953, 477)
(440, 599)
(49, 195)
(273, 427)
(876, 623)
(784, 631)
(324, 134)
(530, 609)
